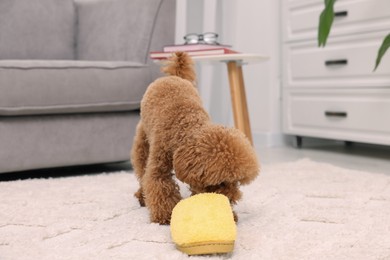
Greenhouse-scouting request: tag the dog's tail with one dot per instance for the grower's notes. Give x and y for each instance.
(181, 65)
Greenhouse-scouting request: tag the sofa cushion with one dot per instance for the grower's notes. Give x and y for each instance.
(115, 30)
(35, 142)
(37, 29)
(61, 87)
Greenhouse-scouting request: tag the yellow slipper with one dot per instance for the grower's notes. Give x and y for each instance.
(203, 224)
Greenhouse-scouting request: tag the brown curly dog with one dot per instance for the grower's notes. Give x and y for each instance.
(175, 134)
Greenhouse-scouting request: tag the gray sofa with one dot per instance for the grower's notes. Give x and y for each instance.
(72, 74)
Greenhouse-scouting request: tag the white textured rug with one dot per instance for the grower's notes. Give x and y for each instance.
(299, 210)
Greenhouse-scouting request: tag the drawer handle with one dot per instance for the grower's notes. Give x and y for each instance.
(341, 14)
(336, 62)
(335, 114)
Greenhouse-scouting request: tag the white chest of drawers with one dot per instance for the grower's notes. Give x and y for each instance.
(332, 92)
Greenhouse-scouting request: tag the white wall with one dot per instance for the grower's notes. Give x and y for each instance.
(249, 26)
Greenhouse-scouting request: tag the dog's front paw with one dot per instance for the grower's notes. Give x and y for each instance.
(162, 220)
(162, 212)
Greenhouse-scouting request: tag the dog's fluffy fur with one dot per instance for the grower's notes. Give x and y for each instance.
(175, 133)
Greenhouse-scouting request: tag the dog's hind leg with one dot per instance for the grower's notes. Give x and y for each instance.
(161, 191)
(139, 158)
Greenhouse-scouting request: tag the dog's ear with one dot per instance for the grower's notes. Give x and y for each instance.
(231, 157)
(217, 154)
(188, 165)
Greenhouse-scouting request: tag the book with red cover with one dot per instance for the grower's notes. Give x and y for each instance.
(193, 47)
(165, 55)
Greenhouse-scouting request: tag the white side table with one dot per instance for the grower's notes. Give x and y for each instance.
(234, 64)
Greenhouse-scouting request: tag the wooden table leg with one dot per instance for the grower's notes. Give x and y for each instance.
(237, 91)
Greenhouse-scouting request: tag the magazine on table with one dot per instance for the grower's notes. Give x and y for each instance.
(164, 55)
(194, 47)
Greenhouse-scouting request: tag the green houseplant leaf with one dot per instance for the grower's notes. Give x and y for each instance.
(325, 24)
(382, 50)
(326, 21)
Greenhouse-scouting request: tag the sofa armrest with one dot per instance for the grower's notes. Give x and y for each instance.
(164, 28)
(163, 32)
(119, 30)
